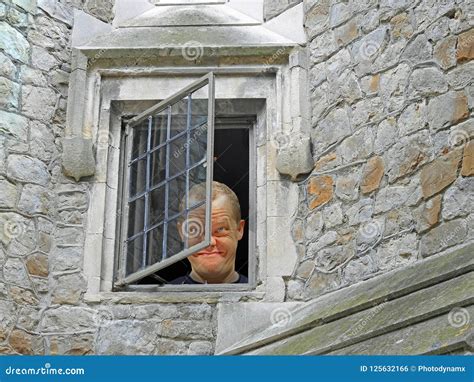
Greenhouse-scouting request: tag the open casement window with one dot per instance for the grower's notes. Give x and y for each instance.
(168, 151)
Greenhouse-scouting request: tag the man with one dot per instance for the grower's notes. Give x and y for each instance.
(216, 263)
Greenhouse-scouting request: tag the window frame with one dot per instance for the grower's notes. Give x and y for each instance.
(254, 260)
(112, 100)
(120, 278)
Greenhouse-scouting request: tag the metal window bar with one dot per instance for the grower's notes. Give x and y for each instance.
(147, 192)
(188, 133)
(171, 218)
(163, 182)
(167, 187)
(207, 80)
(161, 145)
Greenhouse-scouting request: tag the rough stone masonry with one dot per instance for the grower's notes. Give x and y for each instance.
(392, 97)
(392, 102)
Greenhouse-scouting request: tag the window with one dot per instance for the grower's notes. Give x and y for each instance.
(232, 166)
(239, 93)
(168, 150)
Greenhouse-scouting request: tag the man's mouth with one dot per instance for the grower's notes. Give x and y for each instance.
(216, 253)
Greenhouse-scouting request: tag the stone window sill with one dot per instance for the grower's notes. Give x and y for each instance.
(178, 295)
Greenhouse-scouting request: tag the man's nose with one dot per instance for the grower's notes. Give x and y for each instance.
(213, 241)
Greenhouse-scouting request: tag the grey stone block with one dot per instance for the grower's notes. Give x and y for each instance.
(78, 159)
(57, 10)
(34, 199)
(27, 5)
(295, 157)
(28, 170)
(427, 81)
(458, 199)
(8, 194)
(15, 273)
(39, 103)
(14, 125)
(444, 236)
(9, 94)
(13, 43)
(7, 68)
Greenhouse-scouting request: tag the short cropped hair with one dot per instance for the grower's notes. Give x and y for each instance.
(198, 192)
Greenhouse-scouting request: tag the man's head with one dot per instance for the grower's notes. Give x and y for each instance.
(216, 263)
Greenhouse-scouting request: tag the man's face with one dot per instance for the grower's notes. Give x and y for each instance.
(216, 262)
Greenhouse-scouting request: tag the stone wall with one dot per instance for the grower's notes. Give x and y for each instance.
(42, 213)
(392, 100)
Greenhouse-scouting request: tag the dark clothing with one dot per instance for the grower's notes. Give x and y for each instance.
(188, 280)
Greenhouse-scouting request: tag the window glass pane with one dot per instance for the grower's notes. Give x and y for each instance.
(177, 195)
(198, 121)
(179, 117)
(175, 241)
(134, 255)
(158, 166)
(157, 206)
(198, 147)
(197, 176)
(159, 130)
(199, 108)
(137, 177)
(139, 144)
(198, 133)
(136, 216)
(155, 245)
(178, 155)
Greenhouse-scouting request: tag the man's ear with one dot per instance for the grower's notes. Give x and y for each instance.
(240, 229)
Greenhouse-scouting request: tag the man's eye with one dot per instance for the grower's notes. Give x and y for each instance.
(220, 229)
